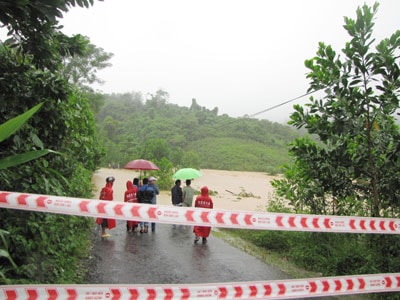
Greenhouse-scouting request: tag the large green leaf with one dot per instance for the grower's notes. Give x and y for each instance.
(18, 159)
(11, 126)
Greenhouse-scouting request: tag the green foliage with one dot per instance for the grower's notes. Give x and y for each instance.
(39, 244)
(164, 174)
(81, 70)
(355, 154)
(33, 30)
(46, 248)
(9, 128)
(189, 137)
(4, 254)
(349, 165)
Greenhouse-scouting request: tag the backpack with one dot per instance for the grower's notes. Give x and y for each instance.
(145, 194)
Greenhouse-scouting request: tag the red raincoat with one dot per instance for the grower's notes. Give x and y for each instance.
(131, 196)
(204, 201)
(107, 194)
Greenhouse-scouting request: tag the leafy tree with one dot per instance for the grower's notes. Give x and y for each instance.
(130, 125)
(6, 130)
(33, 30)
(81, 69)
(353, 164)
(45, 247)
(164, 174)
(9, 128)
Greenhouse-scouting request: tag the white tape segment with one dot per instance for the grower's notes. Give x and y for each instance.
(197, 216)
(276, 289)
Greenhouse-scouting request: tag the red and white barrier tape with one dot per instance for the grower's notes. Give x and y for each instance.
(197, 216)
(276, 289)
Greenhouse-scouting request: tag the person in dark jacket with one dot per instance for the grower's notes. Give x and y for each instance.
(145, 195)
(177, 194)
(153, 185)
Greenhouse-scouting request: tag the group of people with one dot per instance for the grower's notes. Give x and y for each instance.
(184, 197)
(147, 193)
(135, 193)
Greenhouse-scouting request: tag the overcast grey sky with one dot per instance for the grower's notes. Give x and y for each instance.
(242, 56)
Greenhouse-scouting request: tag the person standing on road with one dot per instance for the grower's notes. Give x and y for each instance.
(106, 193)
(176, 193)
(152, 184)
(136, 182)
(145, 195)
(131, 197)
(204, 201)
(188, 194)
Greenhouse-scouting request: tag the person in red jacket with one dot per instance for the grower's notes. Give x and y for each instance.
(205, 201)
(106, 194)
(131, 197)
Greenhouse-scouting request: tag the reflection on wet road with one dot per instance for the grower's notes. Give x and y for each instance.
(169, 255)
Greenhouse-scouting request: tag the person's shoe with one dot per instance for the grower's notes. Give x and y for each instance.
(146, 229)
(141, 230)
(105, 235)
(204, 240)
(137, 229)
(130, 230)
(196, 239)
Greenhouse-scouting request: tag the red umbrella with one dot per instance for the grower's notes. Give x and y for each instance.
(141, 164)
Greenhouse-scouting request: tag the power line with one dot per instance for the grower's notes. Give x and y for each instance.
(280, 104)
(270, 108)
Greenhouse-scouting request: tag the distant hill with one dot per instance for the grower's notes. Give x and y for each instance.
(132, 128)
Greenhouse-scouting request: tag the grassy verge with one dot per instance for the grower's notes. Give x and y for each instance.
(268, 257)
(274, 259)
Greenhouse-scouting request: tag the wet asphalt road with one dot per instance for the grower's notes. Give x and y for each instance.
(169, 255)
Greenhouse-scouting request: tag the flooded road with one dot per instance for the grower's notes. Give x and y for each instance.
(169, 255)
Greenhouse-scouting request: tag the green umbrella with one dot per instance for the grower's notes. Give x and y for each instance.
(186, 173)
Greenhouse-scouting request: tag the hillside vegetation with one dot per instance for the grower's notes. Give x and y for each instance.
(198, 137)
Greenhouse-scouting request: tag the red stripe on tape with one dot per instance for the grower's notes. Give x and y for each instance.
(219, 218)
(22, 199)
(268, 290)
(254, 290)
(223, 292)
(204, 217)
(247, 219)
(83, 206)
(169, 294)
(32, 294)
(52, 294)
(101, 208)
(3, 197)
(238, 291)
(233, 218)
(118, 210)
(11, 295)
(116, 294)
(189, 216)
